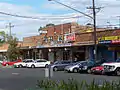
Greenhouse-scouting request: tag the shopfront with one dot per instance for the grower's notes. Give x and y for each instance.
(109, 47)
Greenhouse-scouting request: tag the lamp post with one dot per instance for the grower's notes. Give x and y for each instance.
(94, 21)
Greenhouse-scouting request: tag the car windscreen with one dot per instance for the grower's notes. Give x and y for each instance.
(28, 61)
(57, 62)
(118, 60)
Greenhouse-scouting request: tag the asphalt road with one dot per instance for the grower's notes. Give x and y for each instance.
(22, 79)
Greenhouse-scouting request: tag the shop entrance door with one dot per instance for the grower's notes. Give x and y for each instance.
(66, 55)
(80, 56)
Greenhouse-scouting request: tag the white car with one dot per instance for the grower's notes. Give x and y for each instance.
(23, 63)
(38, 63)
(112, 68)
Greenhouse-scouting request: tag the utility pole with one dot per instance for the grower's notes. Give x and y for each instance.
(119, 20)
(94, 28)
(10, 27)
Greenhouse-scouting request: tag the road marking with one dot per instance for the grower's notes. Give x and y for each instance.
(15, 73)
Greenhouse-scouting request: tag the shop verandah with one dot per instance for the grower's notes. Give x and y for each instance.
(56, 53)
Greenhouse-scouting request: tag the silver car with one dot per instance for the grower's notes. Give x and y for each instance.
(74, 67)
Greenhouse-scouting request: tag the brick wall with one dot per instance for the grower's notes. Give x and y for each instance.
(6, 45)
(80, 37)
(83, 37)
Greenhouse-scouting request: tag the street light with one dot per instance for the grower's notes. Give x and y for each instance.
(94, 21)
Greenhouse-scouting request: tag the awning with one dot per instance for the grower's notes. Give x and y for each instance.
(3, 50)
(83, 43)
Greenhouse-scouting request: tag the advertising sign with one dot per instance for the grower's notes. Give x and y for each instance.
(115, 41)
(109, 38)
(105, 42)
(70, 37)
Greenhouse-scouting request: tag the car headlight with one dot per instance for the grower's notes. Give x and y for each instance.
(112, 67)
(85, 67)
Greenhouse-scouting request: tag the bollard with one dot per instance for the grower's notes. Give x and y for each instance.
(47, 72)
(51, 71)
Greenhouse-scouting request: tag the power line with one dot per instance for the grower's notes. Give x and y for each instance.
(72, 8)
(36, 18)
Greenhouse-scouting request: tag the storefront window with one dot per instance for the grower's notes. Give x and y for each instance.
(118, 54)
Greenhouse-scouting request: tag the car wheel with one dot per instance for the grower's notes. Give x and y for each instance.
(7, 64)
(118, 72)
(102, 72)
(46, 66)
(32, 66)
(20, 66)
(75, 70)
(55, 69)
(89, 71)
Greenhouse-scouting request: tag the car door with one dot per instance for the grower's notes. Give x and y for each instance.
(90, 64)
(64, 64)
(41, 63)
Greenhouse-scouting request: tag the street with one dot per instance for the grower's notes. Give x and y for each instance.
(21, 79)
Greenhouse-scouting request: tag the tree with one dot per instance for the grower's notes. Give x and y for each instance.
(40, 29)
(13, 51)
(50, 24)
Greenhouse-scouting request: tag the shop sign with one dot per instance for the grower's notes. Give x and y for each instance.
(109, 38)
(84, 43)
(40, 46)
(62, 45)
(105, 42)
(115, 41)
(70, 37)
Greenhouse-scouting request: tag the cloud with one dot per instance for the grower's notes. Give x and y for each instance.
(28, 27)
(109, 11)
(25, 27)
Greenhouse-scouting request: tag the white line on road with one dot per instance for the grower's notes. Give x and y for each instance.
(15, 73)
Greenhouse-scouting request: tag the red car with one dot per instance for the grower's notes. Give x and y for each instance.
(6, 63)
(97, 70)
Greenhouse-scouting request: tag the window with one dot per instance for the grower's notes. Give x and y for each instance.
(57, 62)
(60, 38)
(29, 61)
(51, 38)
(66, 62)
(90, 63)
(41, 61)
(84, 63)
(45, 39)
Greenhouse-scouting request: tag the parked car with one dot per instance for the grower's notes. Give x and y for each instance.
(60, 65)
(74, 67)
(23, 63)
(112, 68)
(38, 63)
(98, 70)
(1, 61)
(6, 63)
(86, 67)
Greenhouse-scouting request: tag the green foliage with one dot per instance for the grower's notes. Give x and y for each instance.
(74, 85)
(50, 24)
(13, 51)
(40, 29)
(3, 37)
(47, 25)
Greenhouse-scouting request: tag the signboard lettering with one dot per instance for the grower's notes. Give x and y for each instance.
(109, 38)
(105, 42)
(70, 37)
(115, 41)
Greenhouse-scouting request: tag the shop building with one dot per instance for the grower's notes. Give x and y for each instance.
(109, 45)
(64, 42)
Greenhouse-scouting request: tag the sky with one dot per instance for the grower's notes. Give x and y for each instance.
(52, 12)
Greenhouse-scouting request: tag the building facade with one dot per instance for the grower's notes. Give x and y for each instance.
(71, 41)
